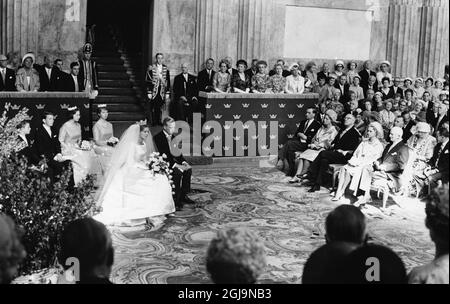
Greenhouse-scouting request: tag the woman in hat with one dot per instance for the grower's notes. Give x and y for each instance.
(321, 141)
(370, 150)
(384, 72)
(418, 114)
(104, 138)
(355, 87)
(260, 81)
(418, 88)
(80, 152)
(378, 101)
(339, 68)
(437, 89)
(407, 84)
(352, 72)
(422, 144)
(27, 78)
(295, 83)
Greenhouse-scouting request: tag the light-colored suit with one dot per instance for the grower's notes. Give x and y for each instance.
(22, 84)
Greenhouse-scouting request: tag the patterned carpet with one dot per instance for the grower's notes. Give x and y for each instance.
(287, 218)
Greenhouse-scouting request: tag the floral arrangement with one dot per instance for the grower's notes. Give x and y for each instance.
(158, 165)
(39, 207)
(85, 145)
(113, 141)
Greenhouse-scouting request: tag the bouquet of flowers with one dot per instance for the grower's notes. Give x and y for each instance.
(113, 141)
(85, 145)
(157, 164)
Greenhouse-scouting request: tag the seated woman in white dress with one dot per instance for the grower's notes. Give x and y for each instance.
(83, 158)
(320, 142)
(104, 138)
(370, 149)
(132, 194)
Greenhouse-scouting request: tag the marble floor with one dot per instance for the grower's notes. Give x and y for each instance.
(287, 218)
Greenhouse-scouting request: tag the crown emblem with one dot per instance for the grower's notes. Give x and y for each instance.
(273, 116)
(208, 106)
(254, 137)
(290, 136)
(245, 148)
(226, 148)
(86, 106)
(280, 146)
(227, 127)
(282, 126)
(207, 128)
(227, 106)
(246, 127)
(264, 126)
(86, 129)
(207, 149)
(237, 138)
(272, 137)
(217, 116)
(245, 105)
(64, 106)
(300, 106)
(282, 105)
(264, 147)
(217, 138)
(15, 107)
(291, 116)
(264, 106)
(255, 116)
(298, 125)
(40, 106)
(237, 117)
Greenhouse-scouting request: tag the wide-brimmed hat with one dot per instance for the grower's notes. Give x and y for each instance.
(423, 127)
(378, 93)
(385, 62)
(292, 66)
(28, 55)
(332, 114)
(419, 80)
(340, 62)
(3, 57)
(407, 78)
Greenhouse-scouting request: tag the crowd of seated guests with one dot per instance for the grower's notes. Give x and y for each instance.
(382, 133)
(26, 75)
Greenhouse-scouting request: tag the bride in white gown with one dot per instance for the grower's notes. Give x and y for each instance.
(131, 194)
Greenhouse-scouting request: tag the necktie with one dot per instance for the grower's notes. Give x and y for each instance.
(439, 155)
(3, 75)
(306, 126)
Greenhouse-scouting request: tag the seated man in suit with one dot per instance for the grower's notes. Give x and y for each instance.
(70, 82)
(396, 88)
(438, 169)
(342, 150)
(182, 171)
(344, 87)
(7, 76)
(47, 146)
(371, 85)
(185, 91)
(206, 77)
(305, 133)
(25, 146)
(388, 169)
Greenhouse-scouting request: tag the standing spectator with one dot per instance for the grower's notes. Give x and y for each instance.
(49, 76)
(7, 76)
(88, 75)
(185, 89)
(437, 211)
(325, 73)
(27, 78)
(260, 81)
(236, 256)
(90, 242)
(158, 87)
(206, 77)
(384, 72)
(295, 84)
(11, 250)
(366, 73)
(222, 79)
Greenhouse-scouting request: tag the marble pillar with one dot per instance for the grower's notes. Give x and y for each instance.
(434, 38)
(404, 36)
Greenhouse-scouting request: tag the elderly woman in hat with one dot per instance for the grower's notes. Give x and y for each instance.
(370, 150)
(408, 84)
(384, 72)
(321, 141)
(295, 83)
(378, 101)
(422, 144)
(355, 87)
(418, 114)
(260, 81)
(339, 68)
(418, 88)
(27, 78)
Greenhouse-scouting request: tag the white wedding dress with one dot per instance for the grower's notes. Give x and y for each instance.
(131, 194)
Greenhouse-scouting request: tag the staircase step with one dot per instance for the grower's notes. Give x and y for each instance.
(113, 75)
(108, 60)
(114, 83)
(111, 68)
(116, 91)
(115, 99)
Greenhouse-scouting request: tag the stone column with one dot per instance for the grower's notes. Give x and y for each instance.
(19, 21)
(434, 38)
(404, 36)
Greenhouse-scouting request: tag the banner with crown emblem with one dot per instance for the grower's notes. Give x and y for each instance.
(265, 111)
(55, 102)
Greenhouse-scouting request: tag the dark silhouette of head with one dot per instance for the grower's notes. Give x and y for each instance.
(346, 223)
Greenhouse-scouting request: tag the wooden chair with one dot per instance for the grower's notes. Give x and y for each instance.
(334, 172)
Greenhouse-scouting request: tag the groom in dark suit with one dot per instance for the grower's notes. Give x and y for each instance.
(182, 171)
